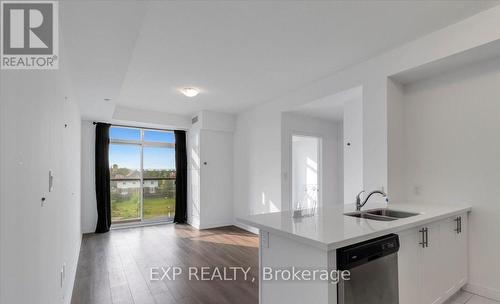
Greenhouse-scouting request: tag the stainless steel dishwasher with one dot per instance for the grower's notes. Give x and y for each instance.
(373, 265)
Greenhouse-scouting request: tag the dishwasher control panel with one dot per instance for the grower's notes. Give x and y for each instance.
(360, 253)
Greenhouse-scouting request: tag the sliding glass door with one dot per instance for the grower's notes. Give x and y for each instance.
(142, 175)
(158, 183)
(125, 172)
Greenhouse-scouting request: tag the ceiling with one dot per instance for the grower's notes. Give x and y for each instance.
(238, 53)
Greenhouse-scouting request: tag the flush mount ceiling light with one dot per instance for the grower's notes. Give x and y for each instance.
(190, 92)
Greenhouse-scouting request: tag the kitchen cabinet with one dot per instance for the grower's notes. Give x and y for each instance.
(314, 243)
(432, 261)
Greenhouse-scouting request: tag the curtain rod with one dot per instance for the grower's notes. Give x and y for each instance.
(136, 127)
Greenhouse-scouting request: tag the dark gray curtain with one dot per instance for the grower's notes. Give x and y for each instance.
(102, 178)
(180, 178)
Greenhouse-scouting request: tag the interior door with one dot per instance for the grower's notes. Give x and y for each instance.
(216, 177)
(306, 171)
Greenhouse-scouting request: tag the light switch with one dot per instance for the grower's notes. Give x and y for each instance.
(51, 181)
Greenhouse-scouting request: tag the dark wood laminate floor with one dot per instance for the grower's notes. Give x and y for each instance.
(114, 268)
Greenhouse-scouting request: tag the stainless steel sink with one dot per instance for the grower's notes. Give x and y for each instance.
(381, 214)
(391, 213)
(370, 216)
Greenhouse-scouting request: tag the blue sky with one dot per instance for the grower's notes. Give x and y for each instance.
(129, 156)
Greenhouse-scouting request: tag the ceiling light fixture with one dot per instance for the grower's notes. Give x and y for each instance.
(190, 92)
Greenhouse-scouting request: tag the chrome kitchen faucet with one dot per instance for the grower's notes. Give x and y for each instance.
(359, 205)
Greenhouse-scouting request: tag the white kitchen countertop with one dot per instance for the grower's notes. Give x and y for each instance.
(331, 229)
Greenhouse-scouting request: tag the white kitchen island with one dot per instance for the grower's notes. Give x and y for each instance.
(432, 258)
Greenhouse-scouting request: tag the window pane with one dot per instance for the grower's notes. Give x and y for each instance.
(124, 133)
(159, 199)
(159, 136)
(124, 161)
(125, 200)
(159, 162)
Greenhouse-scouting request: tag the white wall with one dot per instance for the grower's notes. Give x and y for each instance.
(331, 134)
(142, 118)
(40, 131)
(395, 140)
(257, 162)
(194, 180)
(215, 121)
(450, 154)
(89, 203)
(353, 149)
(257, 150)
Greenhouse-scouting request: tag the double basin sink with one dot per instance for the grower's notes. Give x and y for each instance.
(381, 214)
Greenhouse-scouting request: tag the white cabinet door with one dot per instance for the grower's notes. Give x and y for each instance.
(409, 261)
(454, 243)
(432, 273)
(449, 241)
(432, 287)
(462, 251)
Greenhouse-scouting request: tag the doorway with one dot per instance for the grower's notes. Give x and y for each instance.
(306, 171)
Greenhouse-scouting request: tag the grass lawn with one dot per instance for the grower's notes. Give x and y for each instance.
(153, 207)
(159, 207)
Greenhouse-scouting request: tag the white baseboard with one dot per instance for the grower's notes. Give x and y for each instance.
(247, 228)
(225, 224)
(486, 292)
(215, 225)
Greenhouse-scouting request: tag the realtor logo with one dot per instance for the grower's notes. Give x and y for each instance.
(29, 35)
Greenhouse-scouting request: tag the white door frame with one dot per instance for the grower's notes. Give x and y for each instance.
(290, 165)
